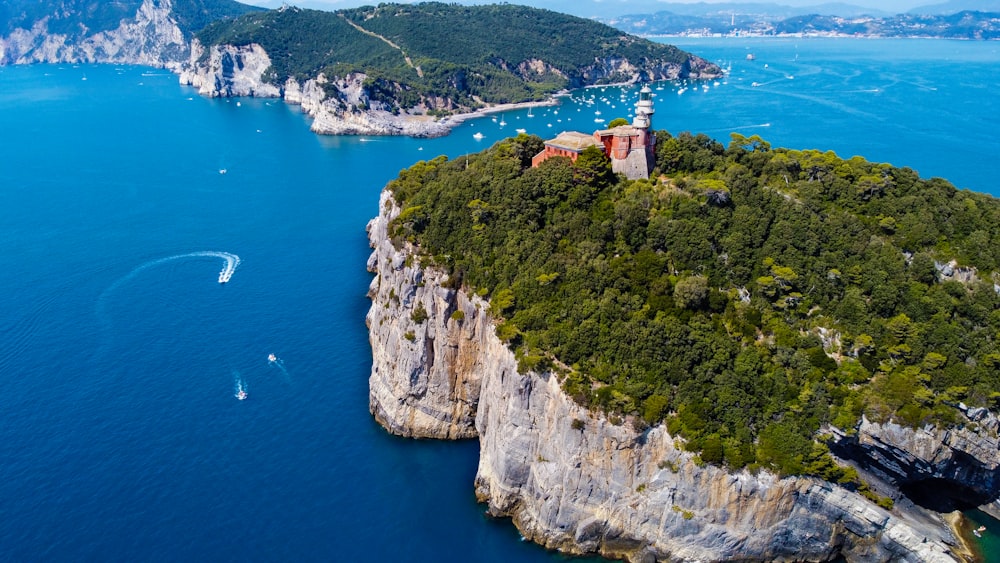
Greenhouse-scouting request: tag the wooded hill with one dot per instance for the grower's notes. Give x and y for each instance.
(747, 297)
(77, 18)
(466, 54)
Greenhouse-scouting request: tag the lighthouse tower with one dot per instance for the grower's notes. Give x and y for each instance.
(632, 148)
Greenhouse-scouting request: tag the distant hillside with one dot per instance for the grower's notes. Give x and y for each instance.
(955, 6)
(153, 32)
(79, 17)
(464, 55)
(962, 25)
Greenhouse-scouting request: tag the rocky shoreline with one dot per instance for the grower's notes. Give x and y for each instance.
(338, 105)
(573, 480)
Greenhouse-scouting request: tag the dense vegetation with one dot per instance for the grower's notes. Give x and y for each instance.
(747, 297)
(74, 17)
(460, 53)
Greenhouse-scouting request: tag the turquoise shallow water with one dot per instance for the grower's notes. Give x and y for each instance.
(121, 436)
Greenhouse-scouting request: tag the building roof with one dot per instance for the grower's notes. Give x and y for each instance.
(621, 131)
(572, 140)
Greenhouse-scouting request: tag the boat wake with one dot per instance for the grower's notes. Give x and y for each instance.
(277, 362)
(240, 386)
(231, 262)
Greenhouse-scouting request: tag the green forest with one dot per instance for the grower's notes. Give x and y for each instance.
(465, 54)
(746, 296)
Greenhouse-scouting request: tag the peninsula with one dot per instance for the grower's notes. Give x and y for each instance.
(758, 354)
(394, 69)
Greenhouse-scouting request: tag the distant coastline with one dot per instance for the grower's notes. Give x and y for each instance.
(967, 25)
(820, 35)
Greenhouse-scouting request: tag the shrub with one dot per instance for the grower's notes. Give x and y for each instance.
(419, 314)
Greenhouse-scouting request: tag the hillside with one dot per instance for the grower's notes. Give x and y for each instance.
(960, 25)
(148, 32)
(84, 17)
(449, 56)
(749, 298)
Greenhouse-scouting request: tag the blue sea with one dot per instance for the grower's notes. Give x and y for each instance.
(121, 437)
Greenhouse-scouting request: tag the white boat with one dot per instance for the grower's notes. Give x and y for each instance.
(502, 122)
(598, 120)
(272, 358)
(241, 395)
(477, 136)
(222, 171)
(521, 131)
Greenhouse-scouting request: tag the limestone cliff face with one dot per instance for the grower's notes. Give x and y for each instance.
(338, 106)
(957, 466)
(150, 38)
(228, 70)
(574, 481)
(425, 375)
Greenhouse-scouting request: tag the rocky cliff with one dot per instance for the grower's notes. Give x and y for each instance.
(943, 469)
(573, 480)
(151, 38)
(338, 106)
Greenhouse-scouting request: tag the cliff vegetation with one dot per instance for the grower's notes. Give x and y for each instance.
(748, 296)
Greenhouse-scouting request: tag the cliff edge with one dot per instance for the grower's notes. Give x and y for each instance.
(574, 481)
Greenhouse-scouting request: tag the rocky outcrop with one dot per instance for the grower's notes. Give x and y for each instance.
(151, 38)
(575, 481)
(338, 106)
(426, 373)
(227, 70)
(944, 469)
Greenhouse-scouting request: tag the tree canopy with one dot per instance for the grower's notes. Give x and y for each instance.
(746, 296)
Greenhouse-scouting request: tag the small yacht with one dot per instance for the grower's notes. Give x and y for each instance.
(272, 358)
(477, 136)
(241, 395)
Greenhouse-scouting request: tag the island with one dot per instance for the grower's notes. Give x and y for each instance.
(394, 69)
(754, 354)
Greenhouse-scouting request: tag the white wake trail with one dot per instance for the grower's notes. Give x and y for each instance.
(240, 386)
(231, 262)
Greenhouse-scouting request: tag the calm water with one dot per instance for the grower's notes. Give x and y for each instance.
(120, 436)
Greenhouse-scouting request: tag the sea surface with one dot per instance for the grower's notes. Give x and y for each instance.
(123, 196)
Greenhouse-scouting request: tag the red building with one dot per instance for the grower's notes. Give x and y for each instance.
(631, 148)
(567, 143)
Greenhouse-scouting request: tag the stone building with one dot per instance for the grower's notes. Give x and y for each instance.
(631, 148)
